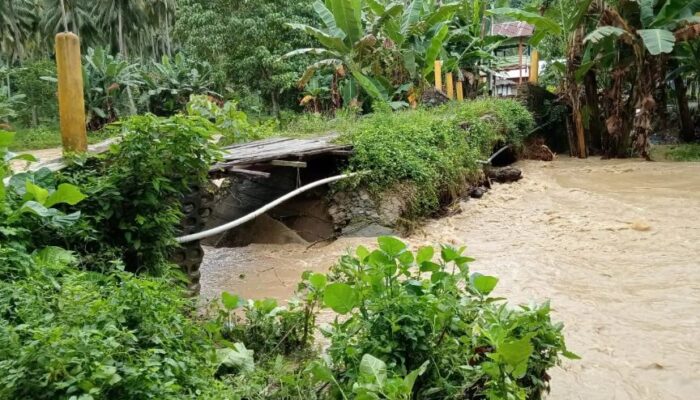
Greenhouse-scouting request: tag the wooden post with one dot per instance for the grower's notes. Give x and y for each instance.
(535, 66)
(460, 90)
(438, 75)
(449, 82)
(71, 103)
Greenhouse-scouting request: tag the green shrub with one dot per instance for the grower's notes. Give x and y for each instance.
(409, 325)
(684, 152)
(168, 84)
(232, 123)
(38, 95)
(415, 313)
(70, 334)
(134, 191)
(66, 333)
(437, 149)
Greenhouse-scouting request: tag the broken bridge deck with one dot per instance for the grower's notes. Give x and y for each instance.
(261, 153)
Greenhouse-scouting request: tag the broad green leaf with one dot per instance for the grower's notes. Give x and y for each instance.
(410, 379)
(380, 258)
(516, 354)
(428, 266)
(411, 15)
(658, 41)
(362, 253)
(320, 372)
(376, 7)
(409, 61)
(672, 10)
(318, 281)
(425, 254)
(340, 297)
(37, 193)
(449, 253)
(483, 284)
(436, 44)
(230, 301)
(38, 209)
(538, 21)
(55, 256)
(65, 194)
(604, 32)
(329, 41)
(315, 51)
(647, 12)
(373, 369)
(238, 357)
(443, 14)
(328, 19)
(406, 258)
(391, 245)
(372, 90)
(348, 17)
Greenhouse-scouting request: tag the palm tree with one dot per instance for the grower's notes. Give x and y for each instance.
(16, 20)
(78, 18)
(116, 15)
(162, 13)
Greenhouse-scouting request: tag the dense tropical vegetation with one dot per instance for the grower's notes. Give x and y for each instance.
(90, 305)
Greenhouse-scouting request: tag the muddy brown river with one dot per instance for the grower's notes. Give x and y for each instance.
(615, 246)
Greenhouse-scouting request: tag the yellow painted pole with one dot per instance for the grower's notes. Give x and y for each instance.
(438, 75)
(460, 90)
(71, 103)
(450, 86)
(534, 66)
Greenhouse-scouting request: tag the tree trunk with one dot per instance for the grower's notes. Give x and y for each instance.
(120, 30)
(595, 125)
(275, 104)
(686, 121)
(660, 93)
(168, 44)
(616, 127)
(645, 104)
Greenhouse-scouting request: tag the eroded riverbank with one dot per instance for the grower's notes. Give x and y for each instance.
(615, 246)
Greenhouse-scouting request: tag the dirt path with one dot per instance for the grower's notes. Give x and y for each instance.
(41, 155)
(615, 245)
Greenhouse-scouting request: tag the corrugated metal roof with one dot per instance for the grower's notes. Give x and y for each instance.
(513, 29)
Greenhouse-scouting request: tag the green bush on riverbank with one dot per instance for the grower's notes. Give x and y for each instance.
(436, 149)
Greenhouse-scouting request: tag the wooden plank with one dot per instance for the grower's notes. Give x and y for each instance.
(286, 163)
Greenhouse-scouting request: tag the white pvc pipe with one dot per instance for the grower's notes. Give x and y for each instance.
(264, 209)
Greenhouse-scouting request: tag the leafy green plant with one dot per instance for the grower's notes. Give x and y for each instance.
(134, 191)
(405, 312)
(9, 104)
(232, 123)
(30, 201)
(170, 83)
(41, 106)
(65, 333)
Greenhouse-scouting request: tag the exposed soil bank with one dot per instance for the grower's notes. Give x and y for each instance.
(614, 244)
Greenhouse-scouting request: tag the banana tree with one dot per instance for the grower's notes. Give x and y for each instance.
(654, 35)
(343, 39)
(358, 37)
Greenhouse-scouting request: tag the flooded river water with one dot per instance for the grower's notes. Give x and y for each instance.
(615, 246)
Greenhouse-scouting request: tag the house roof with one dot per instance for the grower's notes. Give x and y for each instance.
(514, 29)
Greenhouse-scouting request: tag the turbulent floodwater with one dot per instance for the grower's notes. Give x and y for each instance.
(615, 246)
